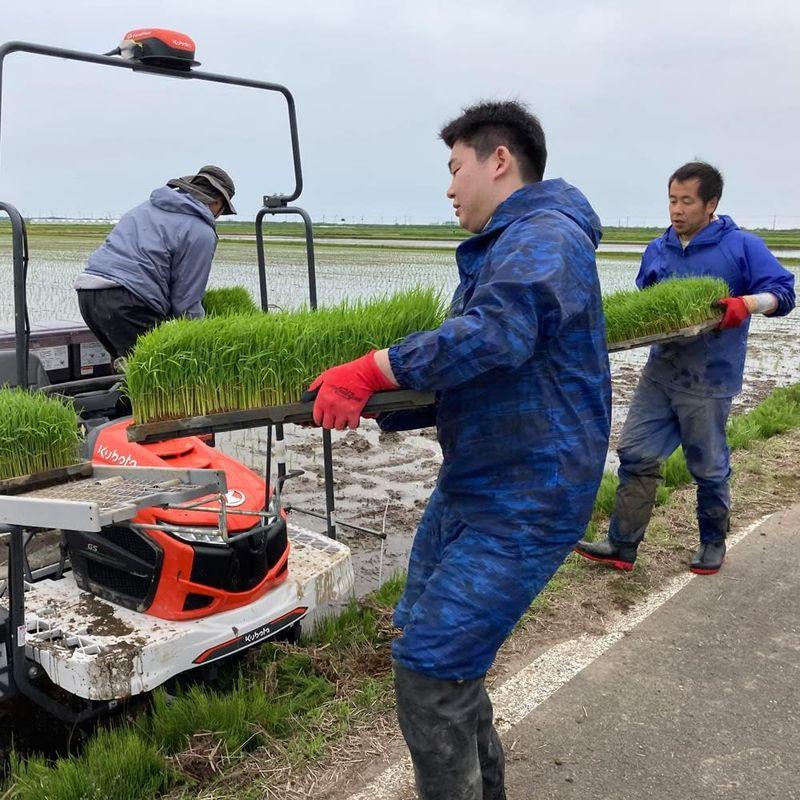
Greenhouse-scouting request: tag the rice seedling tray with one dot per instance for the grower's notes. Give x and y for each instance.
(380, 402)
(109, 494)
(659, 338)
(48, 477)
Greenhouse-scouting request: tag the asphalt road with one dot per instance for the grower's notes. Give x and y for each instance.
(700, 701)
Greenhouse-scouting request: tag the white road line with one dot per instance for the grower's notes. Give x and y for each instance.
(544, 676)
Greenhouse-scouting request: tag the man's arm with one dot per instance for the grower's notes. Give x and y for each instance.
(648, 275)
(531, 292)
(765, 275)
(770, 287)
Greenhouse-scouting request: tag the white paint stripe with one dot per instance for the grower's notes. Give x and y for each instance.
(544, 676)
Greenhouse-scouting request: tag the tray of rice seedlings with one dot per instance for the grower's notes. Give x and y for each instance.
(224, 373)
(229, 300)
(39, 441)
(676, 308)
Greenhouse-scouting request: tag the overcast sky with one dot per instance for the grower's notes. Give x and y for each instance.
(626, 92)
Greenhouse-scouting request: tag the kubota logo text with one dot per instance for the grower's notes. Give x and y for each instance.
(113, 457)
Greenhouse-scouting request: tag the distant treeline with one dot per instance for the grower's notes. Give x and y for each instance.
(442, 232)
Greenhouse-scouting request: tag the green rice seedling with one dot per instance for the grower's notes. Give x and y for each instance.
(388, 595)
(229, 300)
(231, 716)
(37, 433)
(667, 306)
(116, 764)
(663, 494)
(187, 368)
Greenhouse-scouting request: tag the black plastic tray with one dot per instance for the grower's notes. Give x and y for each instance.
(670, 336)
(268, 415)
(50, 477)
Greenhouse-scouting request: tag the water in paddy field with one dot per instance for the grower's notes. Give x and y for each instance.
(353, 272)
(381, 480)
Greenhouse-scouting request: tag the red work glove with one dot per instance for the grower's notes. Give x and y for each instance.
(736, 312)
(345, 390)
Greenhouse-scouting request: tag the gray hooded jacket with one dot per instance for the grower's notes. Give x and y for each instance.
(161, 251)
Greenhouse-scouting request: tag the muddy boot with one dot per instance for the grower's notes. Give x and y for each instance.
(708, 558)
(448, 728)
(617, 555)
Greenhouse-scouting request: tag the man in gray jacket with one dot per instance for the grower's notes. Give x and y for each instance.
(154, 265)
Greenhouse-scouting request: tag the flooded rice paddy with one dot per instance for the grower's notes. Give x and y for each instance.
(381, 480)
(350, 272)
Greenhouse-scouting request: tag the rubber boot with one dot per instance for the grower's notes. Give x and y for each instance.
(447, 725)
(619, 556)
(708, 558)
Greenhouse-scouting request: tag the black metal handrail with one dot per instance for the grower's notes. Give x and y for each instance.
(135, 66)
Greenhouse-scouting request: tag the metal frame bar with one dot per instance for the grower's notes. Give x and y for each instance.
(20, 241)
(20, 664)
(19, 251)
(111, 61)
(273, 207)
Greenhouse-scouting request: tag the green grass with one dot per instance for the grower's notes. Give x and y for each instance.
(778, 413)
(37, 433)
(195, 367)
(229, 300)
(666, 306)
(290, 692)
(118, 764)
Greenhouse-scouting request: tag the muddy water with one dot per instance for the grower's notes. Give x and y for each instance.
(380, 480)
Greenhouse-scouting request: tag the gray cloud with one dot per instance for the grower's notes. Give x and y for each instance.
(626, 90)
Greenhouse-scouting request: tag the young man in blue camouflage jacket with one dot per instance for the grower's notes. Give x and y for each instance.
(520, 370)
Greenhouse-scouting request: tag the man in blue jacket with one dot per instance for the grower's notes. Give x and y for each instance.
(154, 265)
(685, 391)
(521, 373)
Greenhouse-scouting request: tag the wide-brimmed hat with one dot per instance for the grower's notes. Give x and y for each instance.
(198, 185)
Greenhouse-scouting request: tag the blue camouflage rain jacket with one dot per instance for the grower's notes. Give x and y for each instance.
(712, 365)
(522, 379)
(521, 366)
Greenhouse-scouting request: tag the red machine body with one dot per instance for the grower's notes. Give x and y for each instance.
(159, 47)
(171, 575)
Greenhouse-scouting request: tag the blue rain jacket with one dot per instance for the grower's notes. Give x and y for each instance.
(521, 367)
(712, 365)
(161, 251)
(523, 414)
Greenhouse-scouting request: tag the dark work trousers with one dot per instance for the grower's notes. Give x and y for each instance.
(116, 317)
(660, 419)
(448, 728)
